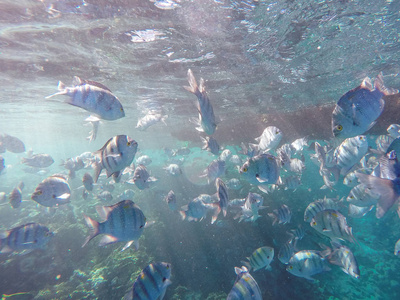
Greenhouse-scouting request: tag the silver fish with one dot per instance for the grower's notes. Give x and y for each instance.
(150, 119)
(88, 182)
(307, 263)
(223, 199)
(287, 250)
(215, 169)
(116, 154)
(245, 286)
(344, 258)
(269, 139)
(196, 210)
(252, 204)
(105, 196)
(206, 122)
(52, 191)
(333, 224)
(350, 152)
(143, 160)
(26, 237)
(319, 205)
(358, 211)
(361, 196)
(152, 283)
(12, 143)
(261, 169)
(225, 155)
(93, 97)
(123, 221)
(358, 109)
(38, 160)
(282, 215)
(173, 169)
(141, 178)
(394, 130)
(171, 200)
(210, 144)
(260, 258)
(15, 197)
(234, 184)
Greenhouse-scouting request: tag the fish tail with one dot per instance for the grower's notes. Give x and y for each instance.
(274, 216)
(182, 214)
(217, 210)
(378, 84)
(62, 90)
(193, 88)
(93, 228)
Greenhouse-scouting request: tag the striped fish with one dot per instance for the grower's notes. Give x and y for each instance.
(287, 250)
(152, 283)
(350, 152)
(141, 178)
(260, 258)
(196, 210)
(116, 154)
(282, 215)
(333, 224)
(307, 263)
(245, 287)
(261, 169)
(88, 181)
(53, 191)
(28, 237)
(223, 199)
(171, 200)
(123, 221)
(361, 196)
(344, 258)
(93, 97)
(206, 122)
(319, 205)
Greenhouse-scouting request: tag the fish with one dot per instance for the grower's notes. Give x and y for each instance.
(93, 97)
(249, 209)
(358, 211)
(127, 194)
(123, 222)
(152, 282)
(150, 119)
(287, 250)
(206, 122)
(105, 196)
(296, 166)
(282, 215)
(225, 155)
(394, 130)
(223, 199)
(15, 197)
(332, 224)
(95, 122)
(383, 142)
(245, 286)
(361, 196)
(52, 191)
(397, 248)
(210, 144)
(116, 154)
(297, 232)
(350, 152)
(291, 182)
(319, 205)
(235, 159)
(196, 210)
(182, 151)
(269, 139)
(141, 178)
(2, 165)
(171, 200)
(12, 143)
(143, 160)
(260, 258)
(343, 257)
(324, 170)
(358, 109)
(261, 169)
(26, 237)
(215, 169)
(299, 144)
(307, 263)
(88, 182)
(173, 169)
(38, 160)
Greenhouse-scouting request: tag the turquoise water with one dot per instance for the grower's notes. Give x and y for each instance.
(283, 63)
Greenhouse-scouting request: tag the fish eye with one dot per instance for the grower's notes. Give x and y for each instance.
(291, 267)
(314, 223)
(128, 144)
(339, 127)
(121, 109)
(164, 279)
(39, 193)
(351, 197)
(244, 169)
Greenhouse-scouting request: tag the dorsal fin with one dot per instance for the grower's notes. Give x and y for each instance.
(79, 81)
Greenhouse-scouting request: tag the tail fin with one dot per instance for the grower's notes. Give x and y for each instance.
(193, 88)
(378, 84)
(182, 214)
(93, 228)
(97, 170)
(217, 210)
(61, 88)
(274, 216)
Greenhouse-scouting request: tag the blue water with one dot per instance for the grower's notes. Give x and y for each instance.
(282, 63)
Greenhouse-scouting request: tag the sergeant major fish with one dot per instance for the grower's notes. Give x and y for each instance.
(150, 119)
(171, 200)
(307, 263)
(350, 152)
(269, 139)
(93, 97)
(245, 286)
(260, 258)
(27, 237)
(152, 283)
(52, 191)
(38, 160)
(282, 215)
(141, 178)
(344, 258)
(223, 199)
(116, 154)
(358, 109)
(210, 144)
(261, 169)
(206, 122)
(123, 221)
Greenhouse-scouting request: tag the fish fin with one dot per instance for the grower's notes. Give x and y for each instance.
(93, 228)
(193, 88)
(246, 263)
(64, 196)
(137, 244)
(378, 84)
(149, 223)
(272, 215)
(6, 249)
(77, 81)
(261, 179)
(382, 187)
(216, 213)
(182, 213)
(103, 211)
(113, 174)
(367, 84)
(4, 234)
(92, 119)
(108, 239)
(204, 142)
(371, 125)
(61, 90)
(127, 245)
(97, 167)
